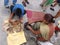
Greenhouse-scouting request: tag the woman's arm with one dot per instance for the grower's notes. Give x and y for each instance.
(35, 32)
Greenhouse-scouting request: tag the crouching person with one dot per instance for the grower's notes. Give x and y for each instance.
(18, 10)
(43, 30)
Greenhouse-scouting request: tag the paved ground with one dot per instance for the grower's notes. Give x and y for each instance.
(4, 14)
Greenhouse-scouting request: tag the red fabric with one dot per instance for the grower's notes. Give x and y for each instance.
(56, 28)
(34, 16)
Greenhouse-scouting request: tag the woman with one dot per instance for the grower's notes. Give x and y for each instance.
(40, 32)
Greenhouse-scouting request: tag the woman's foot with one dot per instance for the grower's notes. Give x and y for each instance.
(52, 9)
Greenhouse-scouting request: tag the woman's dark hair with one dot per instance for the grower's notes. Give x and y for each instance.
(49, 18)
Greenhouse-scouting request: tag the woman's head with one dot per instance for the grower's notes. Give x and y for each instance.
(48, 18)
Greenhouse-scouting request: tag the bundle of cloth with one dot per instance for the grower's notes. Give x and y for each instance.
(12, 27)
(15, 32)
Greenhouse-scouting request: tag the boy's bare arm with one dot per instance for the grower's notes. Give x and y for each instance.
(11, 16)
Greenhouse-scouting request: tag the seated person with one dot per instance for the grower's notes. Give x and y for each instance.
(48, 20)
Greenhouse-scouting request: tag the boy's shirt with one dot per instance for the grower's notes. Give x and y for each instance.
(18, 6)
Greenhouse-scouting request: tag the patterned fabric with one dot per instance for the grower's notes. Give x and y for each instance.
(11, 28)
(15, 33)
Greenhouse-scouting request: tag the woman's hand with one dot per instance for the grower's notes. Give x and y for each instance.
(33, 31)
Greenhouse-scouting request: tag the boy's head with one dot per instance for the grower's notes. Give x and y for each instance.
(19, 12)
(48, 18)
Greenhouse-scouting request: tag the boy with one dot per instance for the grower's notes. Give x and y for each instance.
(18, 10)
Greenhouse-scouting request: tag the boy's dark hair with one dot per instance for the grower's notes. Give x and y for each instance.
(18, 11)
(49, 18)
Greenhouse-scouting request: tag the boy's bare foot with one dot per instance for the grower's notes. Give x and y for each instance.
(24, 4)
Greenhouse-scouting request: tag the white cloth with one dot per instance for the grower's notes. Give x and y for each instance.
(44, 43)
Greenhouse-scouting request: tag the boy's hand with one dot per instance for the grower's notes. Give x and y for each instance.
(10, 21)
